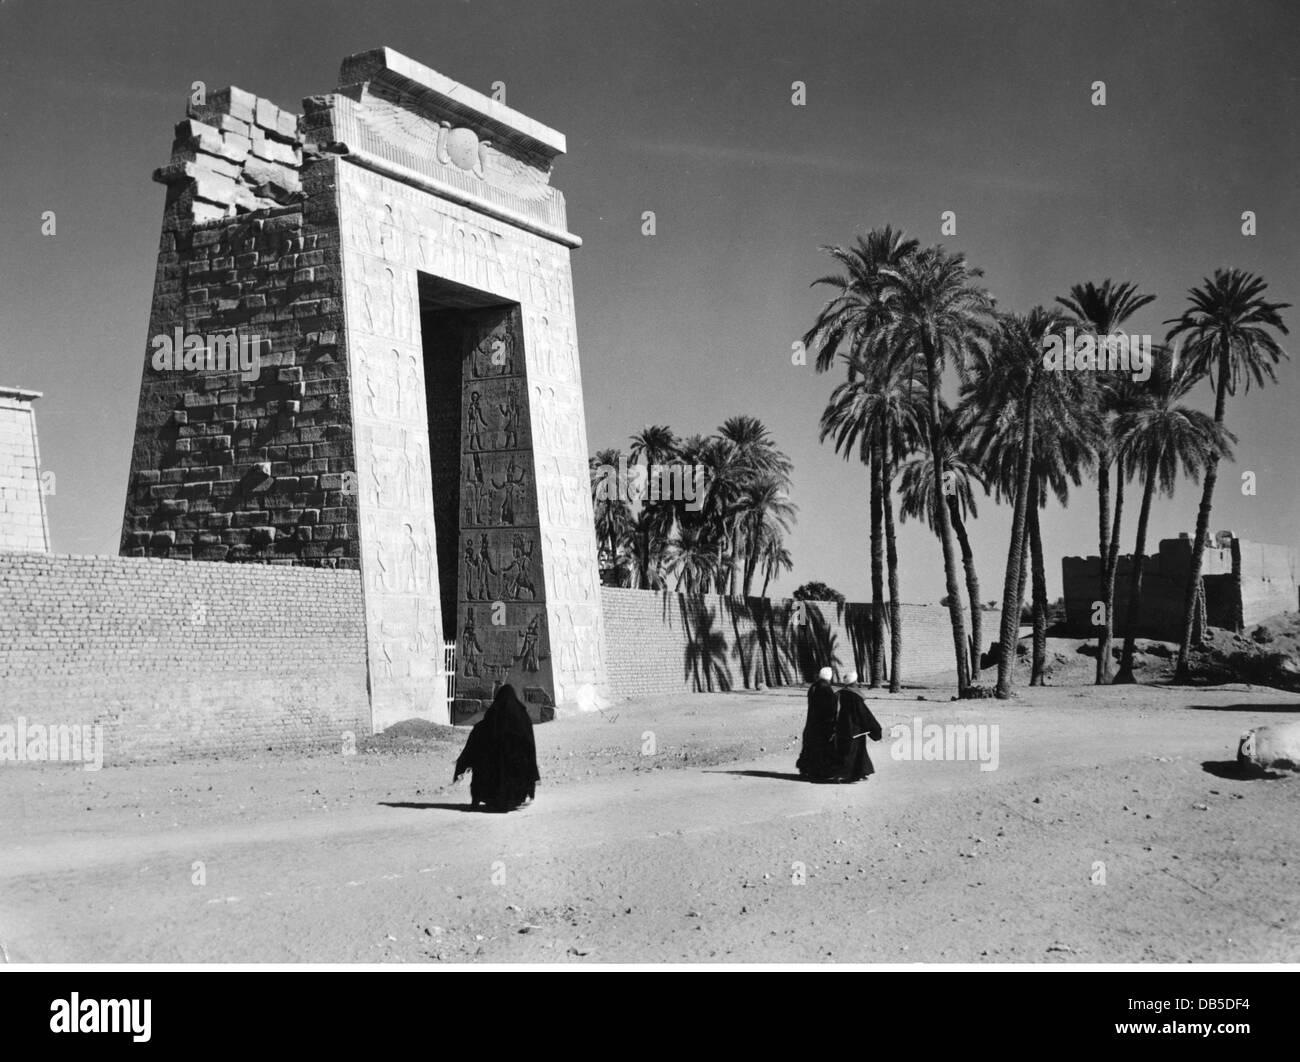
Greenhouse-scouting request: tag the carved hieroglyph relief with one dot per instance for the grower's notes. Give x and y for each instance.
(526, 534)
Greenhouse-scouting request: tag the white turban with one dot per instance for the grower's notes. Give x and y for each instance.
(850, 678)
(825, 673)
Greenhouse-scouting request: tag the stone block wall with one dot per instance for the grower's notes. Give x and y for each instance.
(231, 464)
(663, 642)
(177, 659)
(23, 521)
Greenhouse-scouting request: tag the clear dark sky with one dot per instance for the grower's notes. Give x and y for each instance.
(913, 108)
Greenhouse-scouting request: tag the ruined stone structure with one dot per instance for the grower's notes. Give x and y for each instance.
(1244, 582)
(23, 522)
(362, 354)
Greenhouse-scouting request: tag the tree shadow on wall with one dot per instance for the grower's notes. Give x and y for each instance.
(816, 645)
(748, 616)
(706, 649)
(856, 618)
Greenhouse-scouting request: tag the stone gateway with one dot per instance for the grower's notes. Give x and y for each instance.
(416, 412)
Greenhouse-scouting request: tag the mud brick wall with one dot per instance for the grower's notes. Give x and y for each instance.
(662, 642)
(1267, 582)
(1245, 582)
(224, 467)
(23, 523)
(177, 659)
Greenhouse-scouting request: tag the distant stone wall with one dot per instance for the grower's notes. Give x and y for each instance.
(662, 642)
(23, 523)
(1244, 581)
(1268, 583)
(177, 659)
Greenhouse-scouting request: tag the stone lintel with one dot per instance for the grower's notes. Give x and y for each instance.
(427, 183)
(21, 394)
(443, 97)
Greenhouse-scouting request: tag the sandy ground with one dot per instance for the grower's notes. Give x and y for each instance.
(693, 853)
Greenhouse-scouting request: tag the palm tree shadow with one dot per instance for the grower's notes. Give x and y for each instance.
(706, 650)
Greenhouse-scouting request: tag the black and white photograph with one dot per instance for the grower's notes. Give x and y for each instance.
(698, 485)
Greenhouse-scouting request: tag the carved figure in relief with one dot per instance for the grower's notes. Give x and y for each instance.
(372, 390)
(510, 415)
(404, 473)
(475, 488)
(410, 561)
(476, 422)
(473, 590)
(511, 488)
(529, 644)
(516, 573)
(383, 564)
(390, 234)
(413, 385)
(393, 381)
(376, 477)
(471, 651)
(423, 629)
(485, 566)
(392, 322)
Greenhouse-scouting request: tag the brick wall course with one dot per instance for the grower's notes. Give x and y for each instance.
(176, 659)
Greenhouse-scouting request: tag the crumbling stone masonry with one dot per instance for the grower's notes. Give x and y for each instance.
(1244, 582)
(362, 354)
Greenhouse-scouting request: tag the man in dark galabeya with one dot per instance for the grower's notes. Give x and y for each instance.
(854, 725)
(818, 759)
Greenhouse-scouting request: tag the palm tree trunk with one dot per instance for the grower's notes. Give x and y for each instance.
(1103, 552)
(891, 545)
(972, 587)
(1110, 564)
(1039, 591)
(956, 613)
(1135, 576)
(876, 663)
(1190, 596)
(1012, 587)
(751, 567)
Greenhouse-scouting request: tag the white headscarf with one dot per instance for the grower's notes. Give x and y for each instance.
(825, 673)
(850, 678)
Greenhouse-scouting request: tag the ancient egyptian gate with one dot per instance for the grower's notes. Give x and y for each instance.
(400, 261)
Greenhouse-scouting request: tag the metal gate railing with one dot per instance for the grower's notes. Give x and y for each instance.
(449, 669)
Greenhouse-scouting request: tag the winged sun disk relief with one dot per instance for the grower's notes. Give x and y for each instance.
(454, 146)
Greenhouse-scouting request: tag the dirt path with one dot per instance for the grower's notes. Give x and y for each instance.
(707, 849)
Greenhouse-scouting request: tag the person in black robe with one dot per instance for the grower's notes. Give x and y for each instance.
(854, 725)
(501, 755)
(819, 759)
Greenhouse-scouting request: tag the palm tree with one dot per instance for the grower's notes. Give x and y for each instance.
(1155, 437)
(917, 494)
(1226, 337)
(765, 514)
(775, 559)
(613, 515)
(883, 416)
(1101, 311)
(856, 309)
(935, 313)
(654, 445)
(1028, 430)
(765, 474)
(846, 317)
